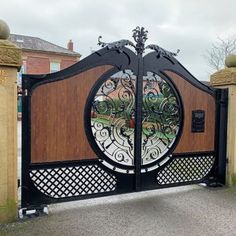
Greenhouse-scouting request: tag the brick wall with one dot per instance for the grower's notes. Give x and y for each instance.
(66, 63)
(39, 62)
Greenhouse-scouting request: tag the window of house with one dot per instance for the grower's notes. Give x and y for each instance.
(54, 66)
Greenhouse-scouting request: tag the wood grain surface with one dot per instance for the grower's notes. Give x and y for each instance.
(57, 118)
(195, 99)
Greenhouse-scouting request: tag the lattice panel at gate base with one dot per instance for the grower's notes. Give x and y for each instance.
(73, 181)
(186, 169)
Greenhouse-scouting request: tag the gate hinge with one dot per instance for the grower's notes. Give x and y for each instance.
(25, 92)
(223, 102)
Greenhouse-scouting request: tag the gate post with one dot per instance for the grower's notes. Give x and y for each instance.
(226, 78)
(10, 62)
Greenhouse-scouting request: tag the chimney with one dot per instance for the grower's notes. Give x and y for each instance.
(70, 45)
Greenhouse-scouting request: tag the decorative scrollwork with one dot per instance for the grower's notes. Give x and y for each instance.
(140, 37)
(162, 52)
(113, 121)
(161, 118)
(112, 110)
(119, 45)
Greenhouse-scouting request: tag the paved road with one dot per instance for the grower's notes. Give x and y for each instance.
(191, 210)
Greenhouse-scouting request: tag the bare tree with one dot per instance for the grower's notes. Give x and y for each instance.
(219, 51)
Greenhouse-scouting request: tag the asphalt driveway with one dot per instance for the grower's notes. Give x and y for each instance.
(189, 210)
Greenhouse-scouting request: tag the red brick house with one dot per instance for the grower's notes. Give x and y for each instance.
(41, 57)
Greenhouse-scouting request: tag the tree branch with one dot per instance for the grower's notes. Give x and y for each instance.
(220, 49)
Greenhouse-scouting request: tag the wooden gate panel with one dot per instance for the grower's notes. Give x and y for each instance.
(57, 108)
(195, 99)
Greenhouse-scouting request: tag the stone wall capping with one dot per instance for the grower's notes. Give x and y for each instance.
(226, 76)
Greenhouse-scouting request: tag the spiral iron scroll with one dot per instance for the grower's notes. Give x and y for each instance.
(161, 119)
(111, 113)
(113, 121)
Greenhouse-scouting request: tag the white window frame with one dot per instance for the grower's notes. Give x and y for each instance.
(55, 66)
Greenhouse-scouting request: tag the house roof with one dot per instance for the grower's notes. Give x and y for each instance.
(37, 44)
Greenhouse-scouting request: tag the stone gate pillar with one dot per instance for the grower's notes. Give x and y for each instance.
(226, 78)
(10, 62)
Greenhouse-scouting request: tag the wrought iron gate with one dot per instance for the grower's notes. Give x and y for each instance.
(120, 121)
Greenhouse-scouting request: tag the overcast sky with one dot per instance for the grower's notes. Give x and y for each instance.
(188, 25)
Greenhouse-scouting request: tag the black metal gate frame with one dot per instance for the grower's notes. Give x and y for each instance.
(121, 58)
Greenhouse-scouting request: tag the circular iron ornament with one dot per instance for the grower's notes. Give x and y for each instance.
(111, 125)
(162, 115)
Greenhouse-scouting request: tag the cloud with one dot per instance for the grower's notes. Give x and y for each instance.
(188, 25)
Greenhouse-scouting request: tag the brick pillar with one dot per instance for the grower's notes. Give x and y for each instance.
(10, 62)
(226, 78)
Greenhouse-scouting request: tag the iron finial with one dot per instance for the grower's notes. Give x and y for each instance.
(140, 37)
